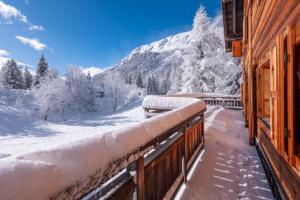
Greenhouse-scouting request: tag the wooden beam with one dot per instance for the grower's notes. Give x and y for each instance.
(224, 19)
(234, 21)
(226, 1)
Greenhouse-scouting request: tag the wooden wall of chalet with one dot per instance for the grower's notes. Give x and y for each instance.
(271, 30)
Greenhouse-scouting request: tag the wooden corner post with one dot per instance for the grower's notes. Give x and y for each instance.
(140, 178)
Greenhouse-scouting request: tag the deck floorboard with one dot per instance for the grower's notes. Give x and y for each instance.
(229, 168)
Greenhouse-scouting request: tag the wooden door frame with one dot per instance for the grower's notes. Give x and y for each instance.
(253, 99)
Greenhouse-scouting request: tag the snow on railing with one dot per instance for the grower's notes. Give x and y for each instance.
(72, 170)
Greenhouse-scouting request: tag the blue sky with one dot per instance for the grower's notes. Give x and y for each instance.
(90, 32)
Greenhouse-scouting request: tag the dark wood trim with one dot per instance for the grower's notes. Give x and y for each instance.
(140, 178)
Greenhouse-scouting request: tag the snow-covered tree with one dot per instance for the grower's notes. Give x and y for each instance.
(81, 89)
(27, 78)
(52, 74)
(152, 86)
(56, 96)
(116, 92)
(11, 76)
(164, 87)
(41, 71)
(201, 24)
(89, 78)
(139, 80)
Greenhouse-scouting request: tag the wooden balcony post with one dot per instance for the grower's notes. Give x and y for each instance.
(185, 157)
(140, 178)
(202, 129)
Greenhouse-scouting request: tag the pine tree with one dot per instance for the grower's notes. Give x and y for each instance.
(139, 81)
(42, 70)
(27, 79)
(200, 25)
(89, 77)
(11, 76)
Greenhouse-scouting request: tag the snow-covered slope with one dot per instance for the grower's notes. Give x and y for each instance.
(188, 62)
(22, 130)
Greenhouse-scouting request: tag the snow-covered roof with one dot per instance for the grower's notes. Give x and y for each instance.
(69, 168)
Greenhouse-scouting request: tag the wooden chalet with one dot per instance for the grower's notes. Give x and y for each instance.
(266, 34)
(188, 150)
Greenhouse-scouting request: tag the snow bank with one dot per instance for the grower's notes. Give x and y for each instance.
(73, 169)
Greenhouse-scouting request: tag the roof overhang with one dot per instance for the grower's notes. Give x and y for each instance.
(232, 11)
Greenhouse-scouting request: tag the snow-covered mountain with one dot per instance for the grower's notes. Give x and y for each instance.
(188, 62)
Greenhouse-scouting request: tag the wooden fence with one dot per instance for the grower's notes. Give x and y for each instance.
(159, 173)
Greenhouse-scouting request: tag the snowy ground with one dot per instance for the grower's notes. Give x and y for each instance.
(19, 134)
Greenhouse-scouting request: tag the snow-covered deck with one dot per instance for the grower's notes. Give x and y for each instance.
(229, 168)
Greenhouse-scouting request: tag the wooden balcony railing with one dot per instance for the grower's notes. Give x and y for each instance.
(226, 101)
(158, 173)
(144, 160)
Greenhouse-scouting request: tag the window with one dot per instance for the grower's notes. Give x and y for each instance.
(263, 93)
(266, 91)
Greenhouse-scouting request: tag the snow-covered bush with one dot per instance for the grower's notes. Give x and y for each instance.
(53, 98)
(56, 96)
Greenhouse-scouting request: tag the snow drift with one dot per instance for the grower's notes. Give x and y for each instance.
(73, 169)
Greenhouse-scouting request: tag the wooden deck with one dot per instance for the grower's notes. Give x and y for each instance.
(229, 168)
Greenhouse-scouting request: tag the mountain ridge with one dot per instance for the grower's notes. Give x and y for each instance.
(187, 62)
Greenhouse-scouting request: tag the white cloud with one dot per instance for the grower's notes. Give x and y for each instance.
(10, 13)
(32, 42)
(3, 57)
(4, 53)
(36, 27)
